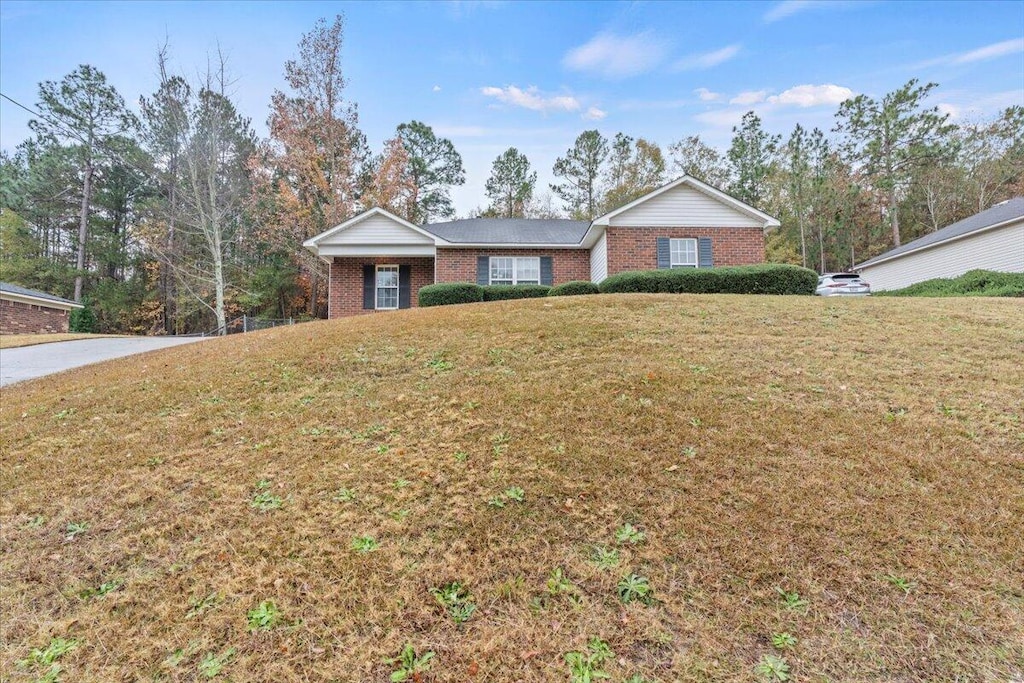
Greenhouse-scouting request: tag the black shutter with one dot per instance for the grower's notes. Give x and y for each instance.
(404, 286)
(664, 253)
(483, 270)
(705, 258)
(369, 287)
(547, 275)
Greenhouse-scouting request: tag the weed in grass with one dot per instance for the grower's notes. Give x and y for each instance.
(496, 502)
(588, 666)
(264, 501)
(696, 422)
(364, 544)
(773, 668)
(895, 412)
(637, 678)
(400, 515)
(76, 529)
(791, 600)
(627, 533)
(382, 449)
(456, 600)
(35, 522)
(604, 558)
(409, 665)
(699, 369)
(343, 495)
(203, 604)
(900, 582)
(439, 364)
(212, 663)
(947, 410)
(64, 414)
(101, 590)
(783, 641)
(57, 648)
(401, 483)
(634, 588)
(515, 493)
(689, 452)
(471, 405)
(558, 583)
(264, 617)
(461, 456)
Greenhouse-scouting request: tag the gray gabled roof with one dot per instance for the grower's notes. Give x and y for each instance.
(25, 291)
(510, 231)
(1000, 213)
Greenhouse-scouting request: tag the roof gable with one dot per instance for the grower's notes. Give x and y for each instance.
(373, 227)
(16, 292)
(684, 202)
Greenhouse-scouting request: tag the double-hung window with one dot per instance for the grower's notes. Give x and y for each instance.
(514, 270)
(683, 253)
(387, 288)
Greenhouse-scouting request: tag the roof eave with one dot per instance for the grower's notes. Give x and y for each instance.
(882, 258)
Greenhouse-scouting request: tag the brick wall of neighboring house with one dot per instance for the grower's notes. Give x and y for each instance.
(346, 291)
(636, 248)
(17, 317)
(459, 265)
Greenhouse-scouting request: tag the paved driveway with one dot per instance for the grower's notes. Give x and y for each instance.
(29, 362)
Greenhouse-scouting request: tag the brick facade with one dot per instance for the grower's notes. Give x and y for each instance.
(637, 248)
(17, 317)
(346, 283)
(459, 265)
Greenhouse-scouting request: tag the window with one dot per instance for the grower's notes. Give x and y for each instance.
(387, 287)
(520, 270)
(683, 253)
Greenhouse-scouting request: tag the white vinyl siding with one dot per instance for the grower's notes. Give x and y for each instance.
(387, 288)
(599, 259)
(514, 270)
(377, 229)
(1000, 249)
(683, 253)
(685, 207)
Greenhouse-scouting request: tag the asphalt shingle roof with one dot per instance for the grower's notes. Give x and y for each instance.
(510, 231)
(24, 291)
(1000, 213)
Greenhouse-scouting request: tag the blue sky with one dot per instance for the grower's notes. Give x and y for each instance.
(533, 75)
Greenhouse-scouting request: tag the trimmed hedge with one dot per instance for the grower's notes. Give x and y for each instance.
(574, 288)
(972, 283)
(450, 293)
(505, 292)
(759, 279)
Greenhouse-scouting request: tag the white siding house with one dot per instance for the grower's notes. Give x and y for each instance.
(599, 259)
(990, 240)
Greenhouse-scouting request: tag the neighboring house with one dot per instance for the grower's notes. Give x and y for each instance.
(990, 240)
(28, 311)
(379, 261)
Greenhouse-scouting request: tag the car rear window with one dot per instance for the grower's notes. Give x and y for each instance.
(846, 276)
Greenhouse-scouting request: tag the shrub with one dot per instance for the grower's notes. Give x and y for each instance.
(972, 283)
(574, 288)
(505, 292)
(82, 320)
(450, 293)
(758, 279)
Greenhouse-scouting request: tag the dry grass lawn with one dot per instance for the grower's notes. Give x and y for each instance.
(14, 341)
(863, 457)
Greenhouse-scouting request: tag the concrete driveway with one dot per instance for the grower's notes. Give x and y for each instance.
(29, 362)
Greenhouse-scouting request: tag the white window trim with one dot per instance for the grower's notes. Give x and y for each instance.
(671, 253)
(515, 270)
(397, 287)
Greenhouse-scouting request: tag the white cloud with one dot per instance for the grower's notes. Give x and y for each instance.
(750, 97)
(707, 60)
(706, 95)
(531, 98)
(1007, 47)
(437, 88)
(594, 114)
(788, 8)
(812, 95)
(614, 56)
(950, 109)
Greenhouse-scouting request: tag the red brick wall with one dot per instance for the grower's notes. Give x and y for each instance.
(346, 289)
(459, 265)
(21, 318)
(637, 248)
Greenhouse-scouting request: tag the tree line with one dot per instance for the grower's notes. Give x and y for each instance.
(181, 217)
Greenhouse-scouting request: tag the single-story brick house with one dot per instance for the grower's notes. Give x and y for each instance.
(29, 311)
(379, 261)
(990, 240)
